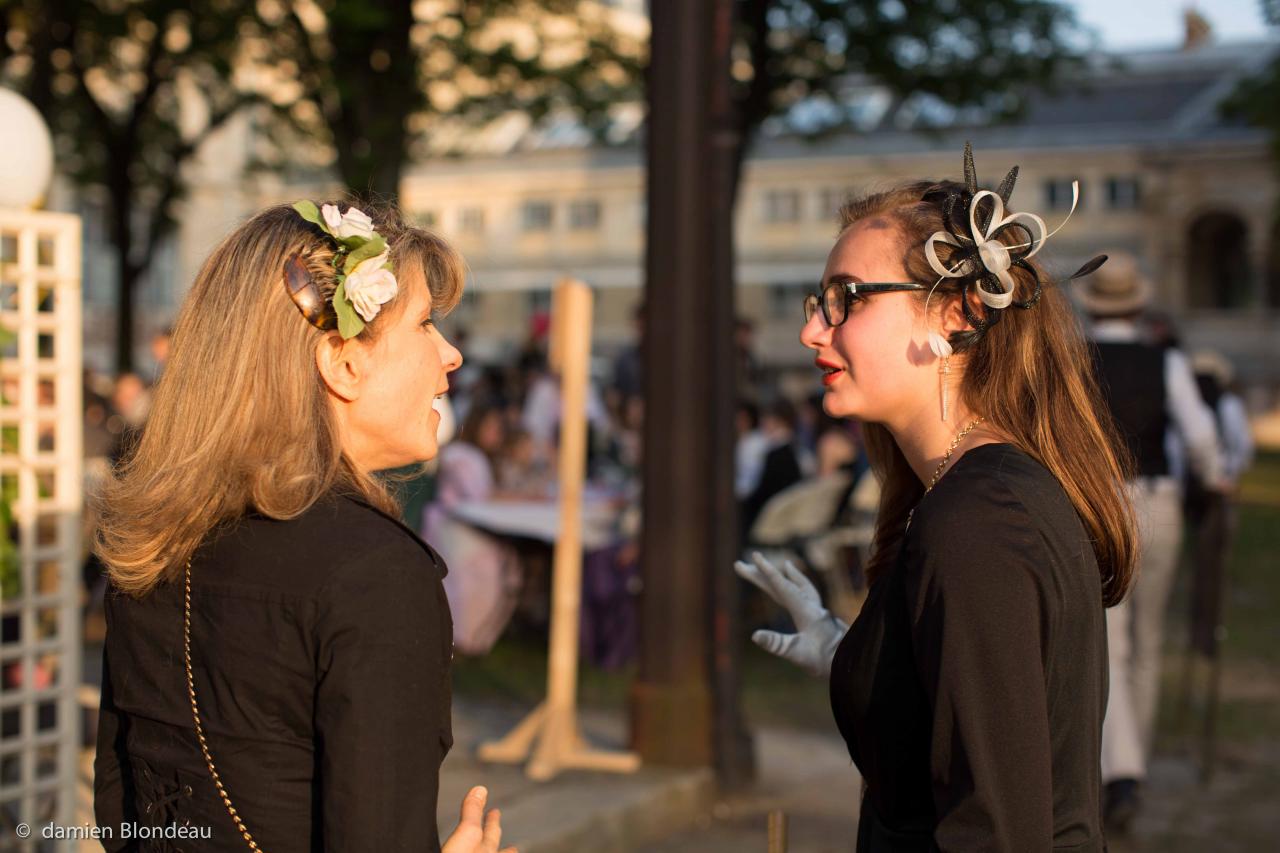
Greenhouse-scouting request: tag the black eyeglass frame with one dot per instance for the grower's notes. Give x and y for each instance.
(851, 289)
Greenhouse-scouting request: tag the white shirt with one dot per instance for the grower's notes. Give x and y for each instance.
(1186, 409)
(1237, 440)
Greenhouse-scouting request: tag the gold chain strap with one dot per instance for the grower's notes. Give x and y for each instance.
(195, 714)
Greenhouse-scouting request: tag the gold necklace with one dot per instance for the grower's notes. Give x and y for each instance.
(946, 457)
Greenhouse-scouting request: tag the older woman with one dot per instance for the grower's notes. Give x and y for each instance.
(971, 688)
(276, 671)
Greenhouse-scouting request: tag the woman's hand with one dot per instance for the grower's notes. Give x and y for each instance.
(818, 633)
(476, 832)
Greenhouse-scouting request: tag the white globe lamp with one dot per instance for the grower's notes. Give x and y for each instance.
(27, 165)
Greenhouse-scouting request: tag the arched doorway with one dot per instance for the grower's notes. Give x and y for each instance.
(1219, 275)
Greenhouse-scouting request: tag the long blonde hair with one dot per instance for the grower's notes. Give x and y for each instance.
(1031, 376)
(241, 418)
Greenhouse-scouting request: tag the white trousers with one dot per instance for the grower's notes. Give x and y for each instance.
(1135, 631)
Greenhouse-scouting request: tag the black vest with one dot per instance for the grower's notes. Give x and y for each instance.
(1131, 376)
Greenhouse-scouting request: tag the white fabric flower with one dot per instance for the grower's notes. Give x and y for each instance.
(355, 223)
(332, 217)
(369, 286)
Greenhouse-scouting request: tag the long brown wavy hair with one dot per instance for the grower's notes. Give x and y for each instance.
(241, 418)
(1030, 375)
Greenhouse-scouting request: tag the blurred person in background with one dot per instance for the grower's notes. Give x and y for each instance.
(1211, 513)
(276, 670)
(161, 342)
(780, 465)
(749, 451)
(628, 367)
(971, 688)
(484, 584)
(1149, 390)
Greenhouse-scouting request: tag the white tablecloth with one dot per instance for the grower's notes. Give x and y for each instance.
(540, 520)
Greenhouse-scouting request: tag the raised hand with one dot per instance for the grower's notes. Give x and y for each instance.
(818, 633)
(476, 832)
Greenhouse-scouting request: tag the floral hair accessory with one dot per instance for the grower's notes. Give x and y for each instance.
(365, 278)
(974, 222)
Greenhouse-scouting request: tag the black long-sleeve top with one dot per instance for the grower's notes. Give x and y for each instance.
(971, 688)
(320, 650)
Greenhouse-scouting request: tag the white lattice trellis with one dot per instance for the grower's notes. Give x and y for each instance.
(40, 474)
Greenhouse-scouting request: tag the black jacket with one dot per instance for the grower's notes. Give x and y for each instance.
(320, 651)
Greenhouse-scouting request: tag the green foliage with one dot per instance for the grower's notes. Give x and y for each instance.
(130, 89)
(1256, 97)
(989, 56)
(377, 79)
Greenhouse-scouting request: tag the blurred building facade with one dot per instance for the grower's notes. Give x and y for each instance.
(1163, 174)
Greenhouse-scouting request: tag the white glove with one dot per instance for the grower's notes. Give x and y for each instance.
(818, 632)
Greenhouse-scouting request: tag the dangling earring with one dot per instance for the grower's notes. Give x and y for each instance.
(944, 370)
(942, 349)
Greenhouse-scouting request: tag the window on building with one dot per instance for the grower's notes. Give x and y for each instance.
(471, 220)
(782, 206)
(1123, 193)
(1057, 193)
(786, 300)
(584, 214)
(830, 200)
(536, 216)
(539, 301)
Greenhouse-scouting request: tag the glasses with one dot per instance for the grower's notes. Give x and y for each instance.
(836, 297)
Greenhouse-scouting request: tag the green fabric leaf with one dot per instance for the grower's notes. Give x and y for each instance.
(311, 213)
(350, 323)
(367, 249)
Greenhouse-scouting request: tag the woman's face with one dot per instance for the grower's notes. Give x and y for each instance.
(877, 365)
(393, 421)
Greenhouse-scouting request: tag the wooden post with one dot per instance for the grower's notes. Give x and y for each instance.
(777, 831)
(550, 732)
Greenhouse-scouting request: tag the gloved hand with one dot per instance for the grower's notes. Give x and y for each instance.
(818, 633)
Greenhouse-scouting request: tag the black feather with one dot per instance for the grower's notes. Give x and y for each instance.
(970, 171)
(1090, 267)
(1006, 186)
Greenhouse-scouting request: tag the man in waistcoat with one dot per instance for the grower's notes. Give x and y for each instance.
(1151, 390)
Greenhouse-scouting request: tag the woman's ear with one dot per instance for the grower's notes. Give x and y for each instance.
(953, 318)
(341, 365)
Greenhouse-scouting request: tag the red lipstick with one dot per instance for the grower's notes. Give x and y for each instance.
(830, 370)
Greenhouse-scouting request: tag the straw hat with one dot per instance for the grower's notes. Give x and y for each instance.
(1213, 363)
(1117, 288)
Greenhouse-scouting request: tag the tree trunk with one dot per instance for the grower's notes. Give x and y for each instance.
(685, 699)
(128, 274)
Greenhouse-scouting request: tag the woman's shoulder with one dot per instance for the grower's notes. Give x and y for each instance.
(992, 482)
(338, 535)
(997, 507)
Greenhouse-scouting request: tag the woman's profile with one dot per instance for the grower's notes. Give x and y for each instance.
(276, 670)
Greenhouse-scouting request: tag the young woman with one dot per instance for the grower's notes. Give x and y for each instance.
(276, 671)
(971, 688)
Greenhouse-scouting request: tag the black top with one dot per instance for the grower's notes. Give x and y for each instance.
(320, 649)
(1131, 376)
(971, 688)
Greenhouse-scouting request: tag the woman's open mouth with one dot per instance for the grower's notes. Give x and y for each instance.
(830, 372)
